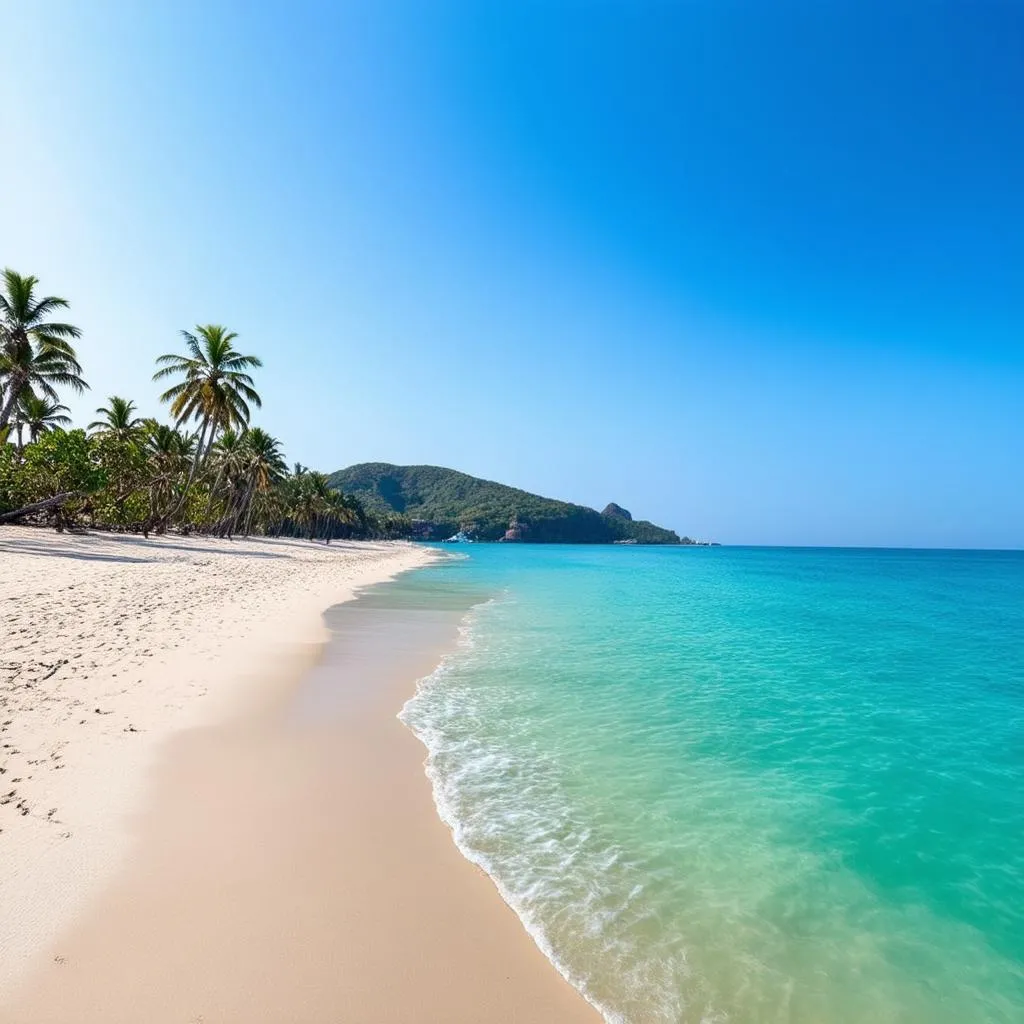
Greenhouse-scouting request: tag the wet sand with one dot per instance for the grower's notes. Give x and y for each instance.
(291, 867)
(110, 645)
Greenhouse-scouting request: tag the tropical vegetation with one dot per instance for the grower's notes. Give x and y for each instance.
(36, 354)
(205, 468)
(441, 502)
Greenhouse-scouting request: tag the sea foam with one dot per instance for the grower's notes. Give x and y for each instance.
(745, 786)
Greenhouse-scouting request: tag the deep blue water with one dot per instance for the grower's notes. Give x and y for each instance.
(746, 785)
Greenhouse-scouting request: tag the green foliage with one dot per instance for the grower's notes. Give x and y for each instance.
(123, 500)
(441, 501)
(226, 477)
(60, 462)
(38, 415)
(215, 387)
(36, 354)
(118, 416)
(12, 483)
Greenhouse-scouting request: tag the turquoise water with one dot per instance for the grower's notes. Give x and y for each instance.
(746, 785)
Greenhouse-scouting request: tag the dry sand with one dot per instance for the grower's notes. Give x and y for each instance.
(287, 864)
(108, 645)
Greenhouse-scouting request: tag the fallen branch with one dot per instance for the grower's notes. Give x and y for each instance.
(48, 505)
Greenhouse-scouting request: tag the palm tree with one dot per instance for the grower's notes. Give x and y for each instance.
(313, 500)
(35, 352)
(169, 455)
(117, 418)
(249, 463)
(265, 466)
(340, 511)
(39, 415)
(228, 458)
(266, 462)
(216, 390)
(305, 506)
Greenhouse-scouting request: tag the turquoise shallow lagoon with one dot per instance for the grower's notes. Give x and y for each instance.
(746, 785)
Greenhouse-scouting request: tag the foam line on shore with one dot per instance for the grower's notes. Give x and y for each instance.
(431, 738)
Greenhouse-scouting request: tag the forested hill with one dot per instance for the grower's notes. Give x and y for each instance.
(439, 502)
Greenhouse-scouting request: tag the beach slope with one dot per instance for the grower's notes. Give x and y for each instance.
(243, 830)
(110, 644)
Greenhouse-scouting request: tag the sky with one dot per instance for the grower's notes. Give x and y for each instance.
(754, 271)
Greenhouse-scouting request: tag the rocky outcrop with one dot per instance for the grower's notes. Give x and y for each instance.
(611, 509)
(440, 502)
(514, 531)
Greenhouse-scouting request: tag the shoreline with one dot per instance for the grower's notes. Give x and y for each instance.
(289, 863)
(449, 819)
(112, 646)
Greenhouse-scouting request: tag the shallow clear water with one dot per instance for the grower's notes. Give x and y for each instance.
(746, 785)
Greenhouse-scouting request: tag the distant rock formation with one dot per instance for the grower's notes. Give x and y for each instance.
(611, 509)
(434, 503)
(514, 531)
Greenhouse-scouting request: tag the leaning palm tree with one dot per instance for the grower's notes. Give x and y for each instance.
(265, 466)
(316, 493)
(39, 415)
(117, 417)
(35, 352)
(215, 391)
(340, 512)
(247, 464)
(228, 457)
(169, 453)
(266, 463)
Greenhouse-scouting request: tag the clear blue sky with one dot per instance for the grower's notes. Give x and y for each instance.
(754, 271)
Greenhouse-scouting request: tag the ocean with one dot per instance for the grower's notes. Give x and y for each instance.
(745, 784)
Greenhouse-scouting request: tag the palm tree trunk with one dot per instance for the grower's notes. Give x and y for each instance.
(248, 518)
(209, 443)
(191, 475)
(213, 491)
(236, 510)
(15, 386)
(246, 505)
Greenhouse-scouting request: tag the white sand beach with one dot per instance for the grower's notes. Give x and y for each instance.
(188, 836)
(109, 644)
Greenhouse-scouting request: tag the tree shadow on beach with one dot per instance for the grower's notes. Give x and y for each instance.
(83, 556)
(137, 548)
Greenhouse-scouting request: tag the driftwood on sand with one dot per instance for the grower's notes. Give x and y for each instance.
(49, 505)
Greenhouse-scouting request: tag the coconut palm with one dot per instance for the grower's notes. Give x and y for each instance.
(228, 457)
(340, 510)
(313, 502)
(266, 462)
(265, 466)
(168, 446)
(117, 418)
(249, 463)
(39, 415)
(216, 390)
(35, 352)
(305, 502)
(169, 455)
